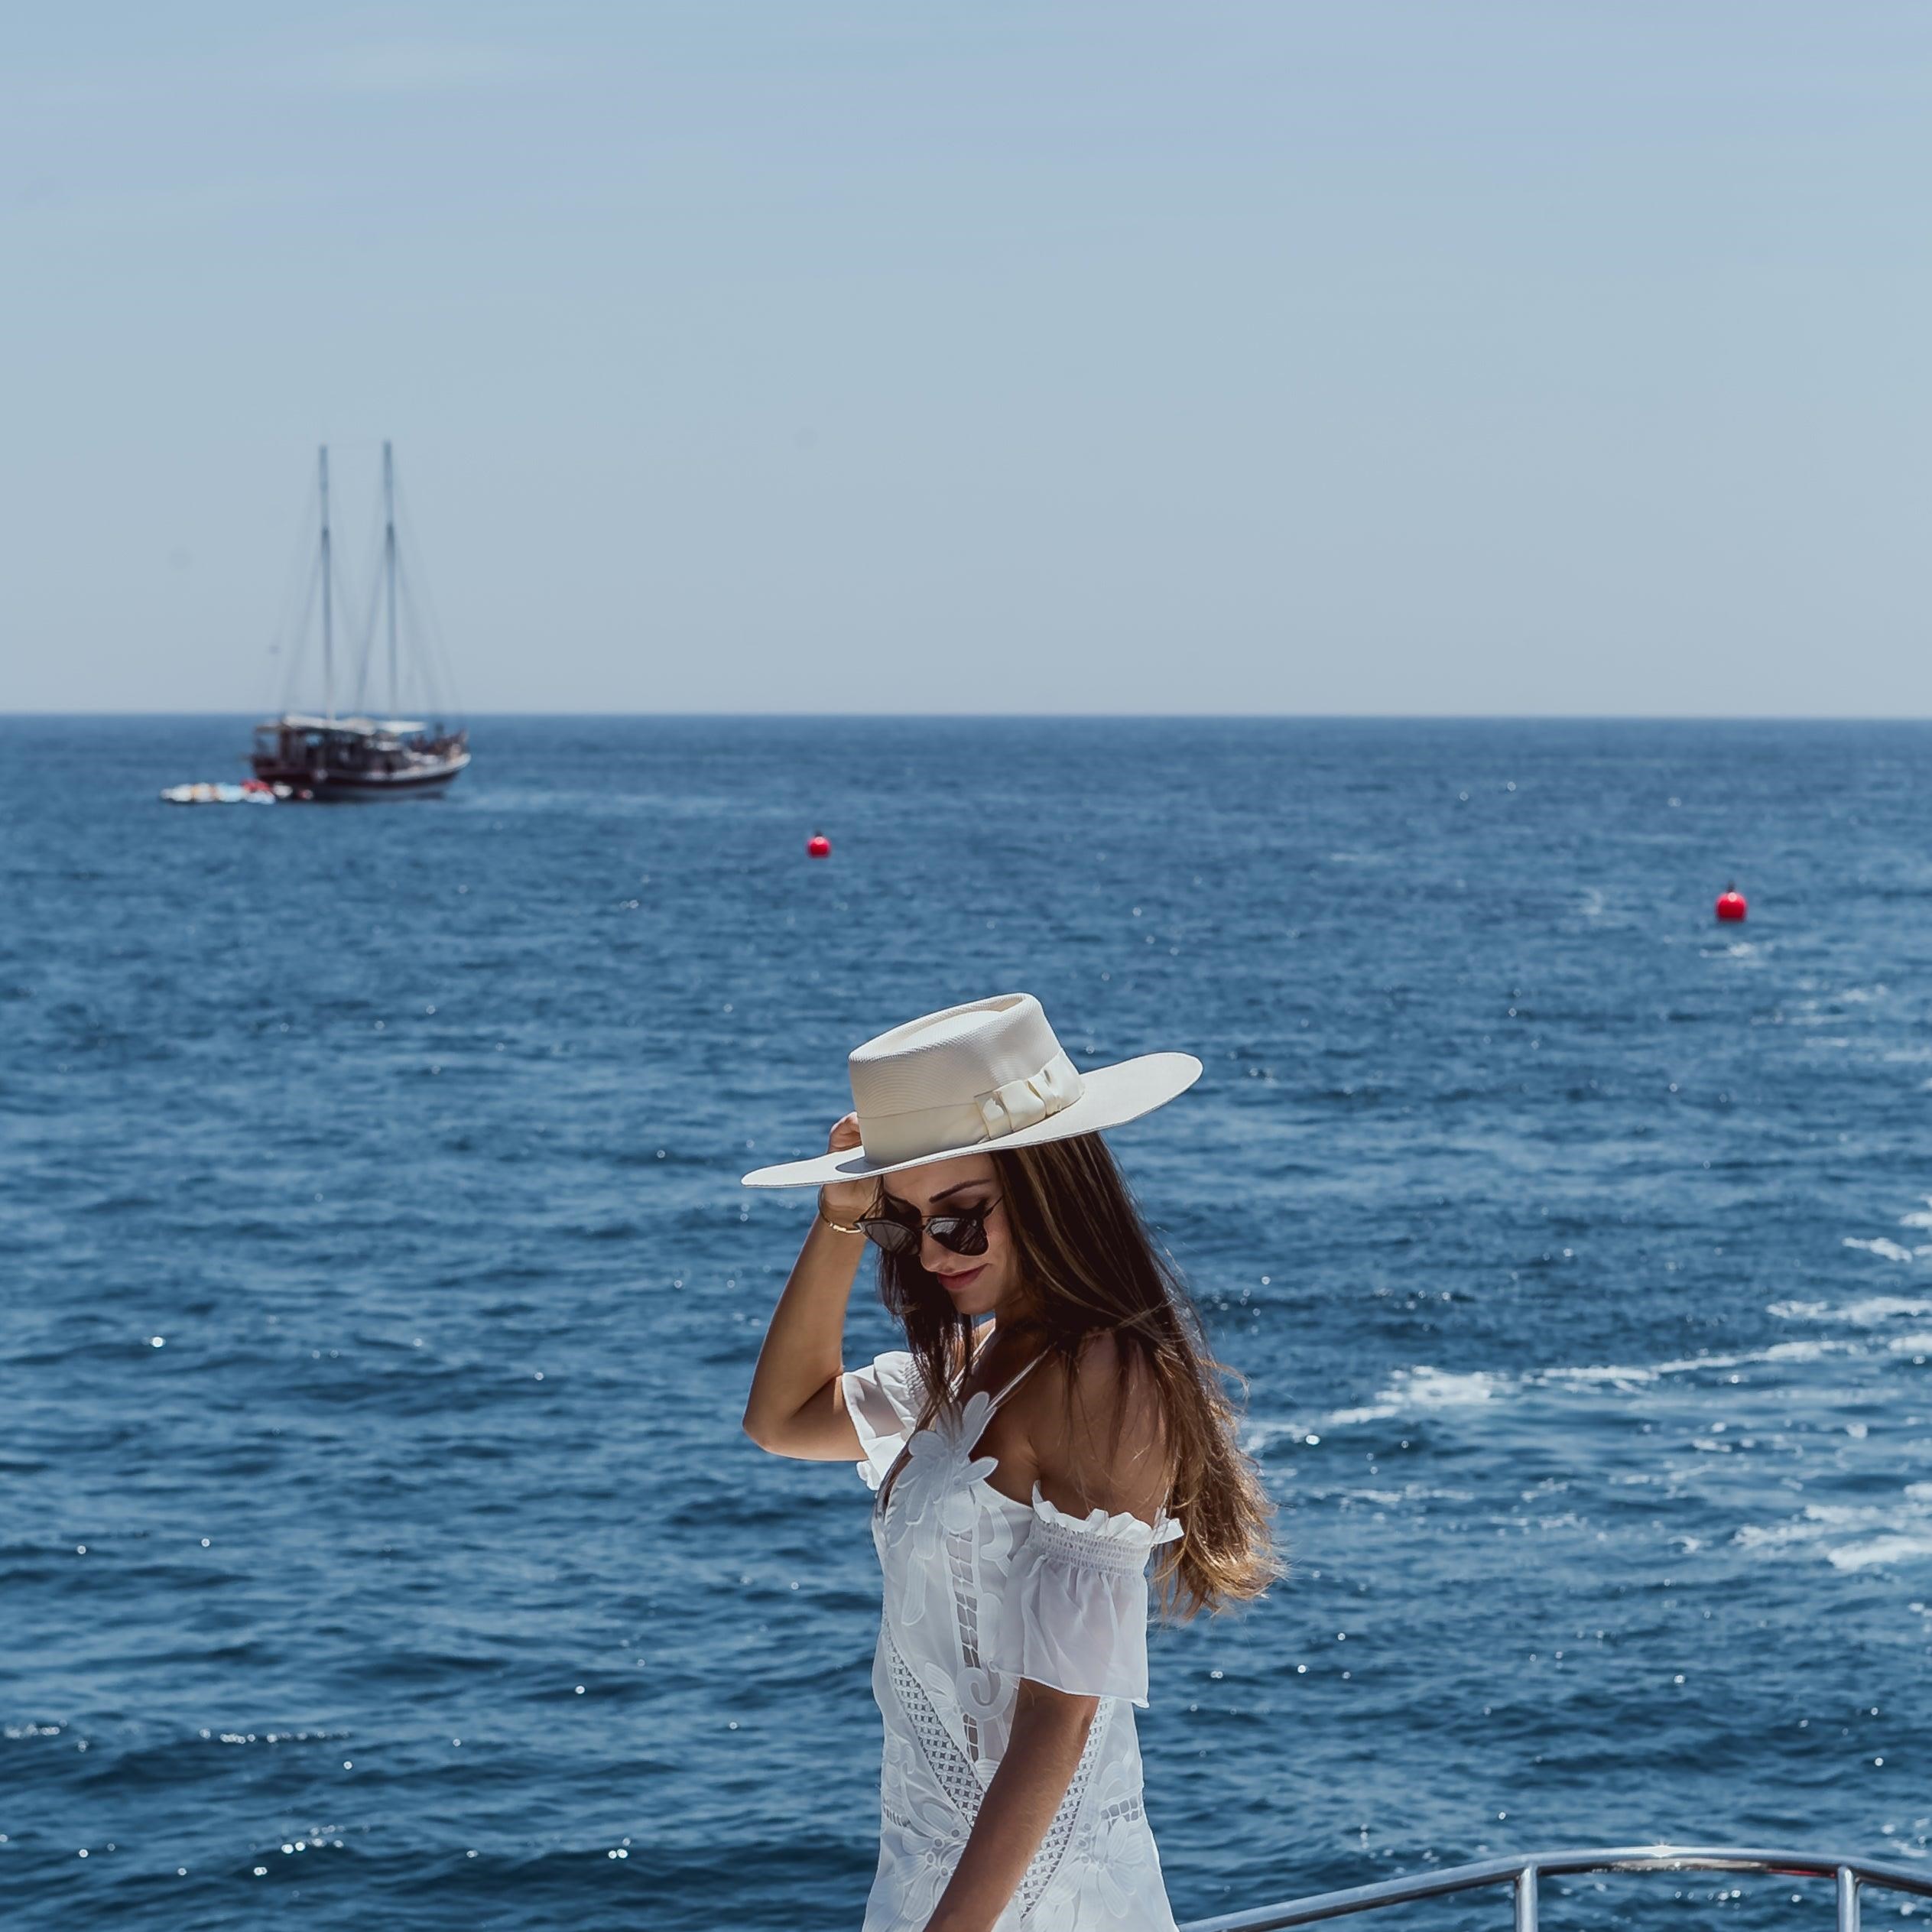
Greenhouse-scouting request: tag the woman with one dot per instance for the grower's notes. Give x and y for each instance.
(1053, 1422)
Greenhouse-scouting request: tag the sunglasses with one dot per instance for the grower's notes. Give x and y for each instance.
(964, 1233)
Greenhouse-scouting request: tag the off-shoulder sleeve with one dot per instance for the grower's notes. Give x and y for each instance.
(884, 1402)
(1077, 1600)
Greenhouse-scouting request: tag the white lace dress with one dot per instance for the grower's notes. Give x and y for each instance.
(980, 1592)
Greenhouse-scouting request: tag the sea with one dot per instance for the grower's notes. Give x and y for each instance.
(379, 1547)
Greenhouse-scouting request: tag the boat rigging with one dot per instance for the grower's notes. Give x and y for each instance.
(327, 755)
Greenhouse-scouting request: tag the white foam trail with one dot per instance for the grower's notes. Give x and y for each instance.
(1692, 1364)
(1853, 1536)
(1258, 1437)
(1887, 1250)
(1436, 1388)
(1880, 1550)
(1804, 1351)
(1606, 1375)
(1868, 1312)
(1426, 1390)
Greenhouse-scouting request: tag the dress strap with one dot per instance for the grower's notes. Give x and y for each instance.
(1015, 1383)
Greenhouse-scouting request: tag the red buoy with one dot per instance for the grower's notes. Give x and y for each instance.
(1732, 903)
(819, 846)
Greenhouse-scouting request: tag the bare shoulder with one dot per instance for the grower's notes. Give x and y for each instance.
(1098, 1430)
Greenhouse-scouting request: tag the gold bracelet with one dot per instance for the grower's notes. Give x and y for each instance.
(838, 1227)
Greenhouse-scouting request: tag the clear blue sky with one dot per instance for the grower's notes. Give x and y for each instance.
(1356, 356)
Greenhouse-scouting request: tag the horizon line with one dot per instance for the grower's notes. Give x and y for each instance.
(1082, 717)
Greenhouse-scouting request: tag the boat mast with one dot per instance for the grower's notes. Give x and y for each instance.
(328, 635)
(389, 564)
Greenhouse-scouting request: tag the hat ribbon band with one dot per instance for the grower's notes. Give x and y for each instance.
(1025, 1103)
(917, 1132)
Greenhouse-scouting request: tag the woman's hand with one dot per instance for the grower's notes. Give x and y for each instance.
(845, 1200)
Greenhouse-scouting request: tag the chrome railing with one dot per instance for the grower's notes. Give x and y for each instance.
(1850, 1875)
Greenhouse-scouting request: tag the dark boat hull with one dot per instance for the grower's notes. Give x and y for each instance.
(356, 761)
(341, 788)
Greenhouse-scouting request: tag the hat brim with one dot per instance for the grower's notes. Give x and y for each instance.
(1110, 1096)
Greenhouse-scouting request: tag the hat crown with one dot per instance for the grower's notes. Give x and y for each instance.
(949, 1056)
(961, 1074)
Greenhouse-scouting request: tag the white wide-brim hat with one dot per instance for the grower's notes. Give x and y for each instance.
(989, 1074)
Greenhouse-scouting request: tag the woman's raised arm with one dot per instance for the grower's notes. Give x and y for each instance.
(797, 1407)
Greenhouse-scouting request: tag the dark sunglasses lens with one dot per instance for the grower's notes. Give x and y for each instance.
(960, 1234)
(894, 1236)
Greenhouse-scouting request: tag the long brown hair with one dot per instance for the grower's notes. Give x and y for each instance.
(1090, 1266)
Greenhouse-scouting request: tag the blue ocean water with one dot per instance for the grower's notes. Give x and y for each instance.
(378, 1545)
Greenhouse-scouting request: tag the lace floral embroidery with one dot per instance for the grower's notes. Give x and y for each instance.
(930, 1492)
(976, 1583)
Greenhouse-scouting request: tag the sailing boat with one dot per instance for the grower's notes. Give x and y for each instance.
(323, 756)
